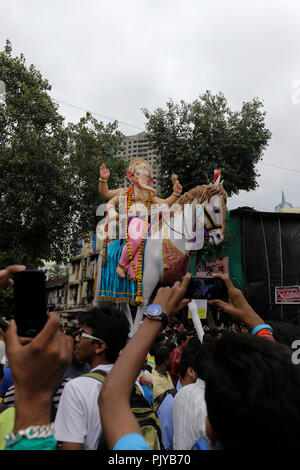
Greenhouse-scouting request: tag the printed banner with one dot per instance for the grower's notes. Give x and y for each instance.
(287, 295)
(207, 267)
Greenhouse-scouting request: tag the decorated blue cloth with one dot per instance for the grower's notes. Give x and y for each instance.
(113, 287)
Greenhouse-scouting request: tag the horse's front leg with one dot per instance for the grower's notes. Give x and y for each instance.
(152, 275)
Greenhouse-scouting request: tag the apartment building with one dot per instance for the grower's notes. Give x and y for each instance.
(138, 146)
(56, 294)
(82, 275)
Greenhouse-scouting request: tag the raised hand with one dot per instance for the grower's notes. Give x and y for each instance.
(104, 172)
(177, 188)
(6, 275)
(237, 306)
(172, 299)
(37, 369)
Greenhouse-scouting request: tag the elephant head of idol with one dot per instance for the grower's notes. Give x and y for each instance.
(140, 174)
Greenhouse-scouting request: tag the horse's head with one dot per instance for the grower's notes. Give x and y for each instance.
(212, 198)
(215, 212)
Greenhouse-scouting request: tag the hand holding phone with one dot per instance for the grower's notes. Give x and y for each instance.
(30, 302)
(236, 305)
(207, 288)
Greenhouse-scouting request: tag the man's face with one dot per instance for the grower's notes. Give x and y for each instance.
(84, 348)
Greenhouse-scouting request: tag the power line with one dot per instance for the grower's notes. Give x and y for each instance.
(279, 167)
(98, 114)
(142, 129)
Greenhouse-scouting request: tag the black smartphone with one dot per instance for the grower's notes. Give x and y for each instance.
(207, 288)
(3, 324)
(30, 312)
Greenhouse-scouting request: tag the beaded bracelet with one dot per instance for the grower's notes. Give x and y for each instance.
(32, 432)
(102, 180)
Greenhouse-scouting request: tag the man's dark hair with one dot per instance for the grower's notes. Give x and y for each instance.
(252, 393)
(169, 344)
(189, 356)
(161, 354)
(182, 336)
(110, 325)
(156, 343)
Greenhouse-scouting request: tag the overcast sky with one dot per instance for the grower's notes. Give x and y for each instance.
(113, 57)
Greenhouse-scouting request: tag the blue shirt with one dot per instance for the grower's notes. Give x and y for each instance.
(7, 381)
(131, 441)
(201, 444)
(165, 416)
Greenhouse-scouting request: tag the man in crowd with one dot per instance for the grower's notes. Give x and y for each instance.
(160, 375)
(182, 343)
(188, 376)
(103, 335)
(190, 409)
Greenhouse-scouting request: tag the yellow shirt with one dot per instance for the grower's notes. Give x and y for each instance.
(161, 384)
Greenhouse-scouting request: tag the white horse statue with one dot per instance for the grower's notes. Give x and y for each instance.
(168, 250)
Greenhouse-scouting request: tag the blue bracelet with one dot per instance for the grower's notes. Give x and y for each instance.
(257, 328)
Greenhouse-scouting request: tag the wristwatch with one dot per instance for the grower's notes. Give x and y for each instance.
(155, 312)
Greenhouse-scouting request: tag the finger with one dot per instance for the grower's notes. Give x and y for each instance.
(15, 268)
(10, 270)
(185, 282)
(219, 303)
(11, 338)
(183, 303)
(226, 280)
(69, 342)
(52, 326)
(177, 284)
(3, 273)
(24, 341)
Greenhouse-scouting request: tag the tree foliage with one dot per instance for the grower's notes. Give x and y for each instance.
(194, 139)
(48, 170)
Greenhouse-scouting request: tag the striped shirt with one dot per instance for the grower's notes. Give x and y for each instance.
(9, 397)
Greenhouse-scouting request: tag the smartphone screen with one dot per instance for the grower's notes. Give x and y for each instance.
(30, 302)
(207, 288)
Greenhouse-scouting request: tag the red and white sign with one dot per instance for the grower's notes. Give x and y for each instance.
(287, 295)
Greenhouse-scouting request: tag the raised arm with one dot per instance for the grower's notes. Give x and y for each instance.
(106, 193)
(116, 415)
(37, 369)
(239, 309)
(177, 190)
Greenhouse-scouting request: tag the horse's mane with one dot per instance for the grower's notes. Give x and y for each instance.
(202, 193)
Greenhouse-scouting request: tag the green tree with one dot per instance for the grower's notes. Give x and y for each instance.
(194, 139)
(57, 271)
(35, 190)
(48, 171)
(91, 143)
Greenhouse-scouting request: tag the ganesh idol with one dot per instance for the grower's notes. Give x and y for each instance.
(140, 194)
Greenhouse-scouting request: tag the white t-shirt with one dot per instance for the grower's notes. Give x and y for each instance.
(78, 417)
(189, 413)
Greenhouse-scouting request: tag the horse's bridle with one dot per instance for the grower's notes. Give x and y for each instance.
(213, 226)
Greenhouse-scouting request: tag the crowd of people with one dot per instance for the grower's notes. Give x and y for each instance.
(90, 387)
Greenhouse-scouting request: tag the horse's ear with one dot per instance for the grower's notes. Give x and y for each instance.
(217, 177)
